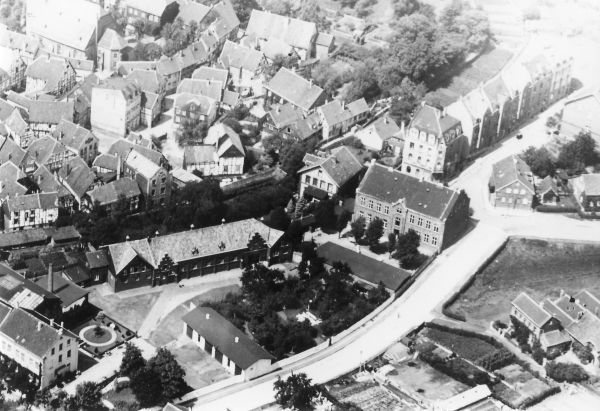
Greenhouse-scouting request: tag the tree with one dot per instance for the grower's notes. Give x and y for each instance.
(579, 153)
(278, 62)
(471, 25)
(169, 372)
(565, 372)
(407, 244)
(540, 161)
(391, 243)
(139, 27)
(147, 387)
(374, 232)
(243, 9)
(311, 11)
(191, 131)
(295, 231)
(279, 219)
(363, 84)
(537, 352)
(296, 392)
(132, 360)
(260, 281)
(407, 7)
(88, 395)
(342, 221)
(407, 96)
(357, 228)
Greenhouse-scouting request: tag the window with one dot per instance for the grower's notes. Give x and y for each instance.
(412, 145)
(362, 201)
(378, 207)
(371, 204)
(53, 351)
(420, 222)
(386, 210)
(436, 228)
(522, 191)
(69, 354)
(412, 219)
(315, 182)
(428, 225)
(434, 240)
(60, 347)
(525, 201)
(306, 179)
(153, 183)
(509, 191)
(163, 190)
(322, 185)
(503, 199)
(361, 213)
(426, 238)
(60, 358)
(397, 221)
(330, 187)
(385, 224)
(369, 218)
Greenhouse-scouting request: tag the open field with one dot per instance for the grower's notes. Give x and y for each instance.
(419, 379)
(540, 268)
(129, 311)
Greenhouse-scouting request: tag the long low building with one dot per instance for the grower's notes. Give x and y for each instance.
(170, 258)
(231, 347)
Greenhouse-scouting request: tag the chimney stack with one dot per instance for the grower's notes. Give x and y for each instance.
(118, 167)
(50, 278)
(39, 326)
(207, 316)
(237, 340)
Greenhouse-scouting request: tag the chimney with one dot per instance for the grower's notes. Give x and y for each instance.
(343, 105)
(51, 322)
(60, 330)
(39, 325)
(237, 340)
(385, 120)
(310, 83)
(118, 167)
(207, 316)
(50, 278)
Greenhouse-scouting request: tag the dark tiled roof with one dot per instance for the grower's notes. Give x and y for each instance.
(107, 161)
(509, 170)
(9, 184)
(212, 74)
(192, 11)
(431, 120)
(122, 148)
(128, 88)
(47, 182)
(295, 32)
(148, 80)
(32, 201)
(76, 175)
(111, 193)
(10, 151)
(51, 112)
(424, 197)
(225, 337)
(15, 289)
(66, 290)
(205, 88)
(546, 185)
(531, 309)
(76, 274)
(97, 259)
(49, 69)
(341, 165)
(295, 89)
(285, 114)
(126, 67)
(72, 135)
(111, 40)
(363, 266)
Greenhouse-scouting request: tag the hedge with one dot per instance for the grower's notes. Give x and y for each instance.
(555, 209)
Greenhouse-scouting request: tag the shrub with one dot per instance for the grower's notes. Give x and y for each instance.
(583, 352)
(564, 372)
(499, 325)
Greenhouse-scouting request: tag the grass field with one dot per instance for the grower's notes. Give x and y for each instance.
(539, 268)
(470, 348)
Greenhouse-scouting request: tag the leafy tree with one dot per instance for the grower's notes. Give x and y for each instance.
(540, 161)
(139, 27)
(364, 7)
(583, 352)
(378, 295)
(579, 153)
(520, 332)
(191, 131)
(407, 7)
(258, 281)
(342, 221)
(132, 360)
(407, 96)
(147, 387)
(243, 9)
(363, 85)
(88, 395)
(295, 231)
(169, 372)
(311, 11)
(374, 232)
(279, 219)
(329, 77)
(281, 7)
(291, 155)
(357, 228)
(471, 25)
(391, 243)
(537, 352)
(324, 213)
(565, 372)
(278, 62)
(296, 392)
(407, 244)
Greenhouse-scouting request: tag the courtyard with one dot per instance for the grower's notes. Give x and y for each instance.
(129, 311)
(540, 268)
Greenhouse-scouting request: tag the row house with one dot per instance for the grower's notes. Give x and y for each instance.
(383, 135)
(264, 27)
(46, 151)
(54, 76)
(435, 146)
(28, 46)
(153, 180)
(30, 211)
(122, 194)
(47, 182)
(221, 154)
(243, 63)
(12, 70)
(288, 87)
(45, 349)
(335, 174)
(121, 149)
(338, 118)
(439, 215)
(116, 107)
(511, 184)
(154, 87)
(78, 139)
(77, 178)
(193, 108)
(229, 346)
(110, 49)
(586, 190)
(197, 252)
(68, 29)
(229, 99)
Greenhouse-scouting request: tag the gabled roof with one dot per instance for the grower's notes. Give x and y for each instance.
(153, 7)
(509, 170)
(207, 105)
(208, 88)
(211, 74)
(496, 91)
(341, 165)
(384, 128)
(432, 121)
(10, 151)
(16, 289)
(76, 175)
(295, 89)
(97, 259)
(9, 59)
(108, 161)
(274, 47)
(112, 192)
(128, 88)
(72, 135)
(532, 310)
(476, 103)
(225, 337)
(32, 333)
(192, 11)
(391, 186)
(65, 289)
(18, 41)
(284, 114)
(47, 181)
(546, 185)
(9, 184)
(227, 20)
(325, 39)
(147, 80)
(199, 154)
(238, 56)
(49, 69)
(126, 67)
(122, 147)
(295, 32)
(121, 254)
(40, 150)
(111, 40)
(26, 202)
(142, 165)
(43, 111)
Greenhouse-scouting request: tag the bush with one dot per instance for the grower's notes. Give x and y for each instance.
(564, 372)
(499, 325)
(583, 352)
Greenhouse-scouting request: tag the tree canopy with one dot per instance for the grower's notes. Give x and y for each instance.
(295, 392)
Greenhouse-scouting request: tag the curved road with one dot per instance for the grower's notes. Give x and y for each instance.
(445, 275)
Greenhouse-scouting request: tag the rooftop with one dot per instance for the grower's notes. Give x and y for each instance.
(141, 165)
(531, 309)
(342, 165)
(297, 33)
(511, 169)
(112, 192)
(238, 56)
(111, 40)
(295, 89)
(225, 337)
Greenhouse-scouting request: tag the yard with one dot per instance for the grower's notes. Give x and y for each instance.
(420, 380)
(367, 396)
(130, 311)
(467, 347)
(540, 268)
(519, 386)
(200, 368)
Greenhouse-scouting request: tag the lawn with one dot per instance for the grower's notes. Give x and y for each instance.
(200, 368)
(419, 379)
(540, 268)
(470, 348)
(130, 311)
(368, 396)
